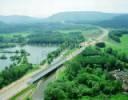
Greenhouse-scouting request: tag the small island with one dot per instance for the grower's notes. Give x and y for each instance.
(3, 57)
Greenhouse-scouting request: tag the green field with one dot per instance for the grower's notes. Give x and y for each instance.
(119, 96)
(25, 94)
(122, 46)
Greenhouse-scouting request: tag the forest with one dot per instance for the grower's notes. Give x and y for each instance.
(16, 70)
(55, 38)
(87, 76)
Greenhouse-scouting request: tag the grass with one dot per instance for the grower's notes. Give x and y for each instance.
(27, 93)
(60, 73)
(69, 51)
(122, 46)
(119, 96)
(91, 33)
(24, 94)
(35, 68)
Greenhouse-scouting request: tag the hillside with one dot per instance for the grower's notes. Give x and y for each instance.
(15, 19)
(23, 23)
(81, 16)
(118, 21)
(96, 18)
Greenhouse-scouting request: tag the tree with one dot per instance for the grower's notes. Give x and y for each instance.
(55, 94)
(109, 50)
(100, 44)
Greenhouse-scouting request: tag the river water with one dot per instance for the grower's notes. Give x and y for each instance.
(37, 54)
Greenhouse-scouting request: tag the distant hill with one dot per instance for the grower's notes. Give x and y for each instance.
(118, 21)
(9, 23)
(86, 17)
(96, 18)
(18, 19)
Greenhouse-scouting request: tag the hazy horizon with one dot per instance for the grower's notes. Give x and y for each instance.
(45, 8)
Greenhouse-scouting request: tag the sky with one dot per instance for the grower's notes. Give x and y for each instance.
(44, 8)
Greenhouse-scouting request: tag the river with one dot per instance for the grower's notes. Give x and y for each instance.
(37, 54)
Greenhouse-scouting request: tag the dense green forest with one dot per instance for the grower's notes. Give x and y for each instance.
(87, 76)
(55, 38)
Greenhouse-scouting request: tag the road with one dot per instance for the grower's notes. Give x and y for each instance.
(39, 92)
(42, 84)
(21, 84)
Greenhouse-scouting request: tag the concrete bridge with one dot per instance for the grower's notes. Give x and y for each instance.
(36, 77)
(45, 72)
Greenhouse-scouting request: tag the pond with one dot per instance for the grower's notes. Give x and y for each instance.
(37, 54)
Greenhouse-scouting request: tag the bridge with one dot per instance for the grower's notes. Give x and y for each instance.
(24, 82)
(46, 71)
(58, 64)
(53, 67)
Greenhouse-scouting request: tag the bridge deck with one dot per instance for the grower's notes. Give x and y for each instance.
(53, 67)
(45, 72)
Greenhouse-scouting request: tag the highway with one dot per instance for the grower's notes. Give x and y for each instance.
(43, 73)
(39, 92)
(24, 82)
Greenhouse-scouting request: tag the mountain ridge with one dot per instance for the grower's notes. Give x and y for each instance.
(77, 17)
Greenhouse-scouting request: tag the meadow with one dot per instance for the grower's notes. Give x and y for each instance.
(122, 46)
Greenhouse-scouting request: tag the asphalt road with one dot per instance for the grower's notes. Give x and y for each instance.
(42, 84)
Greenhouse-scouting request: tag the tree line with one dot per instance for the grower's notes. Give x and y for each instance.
(51, 37)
